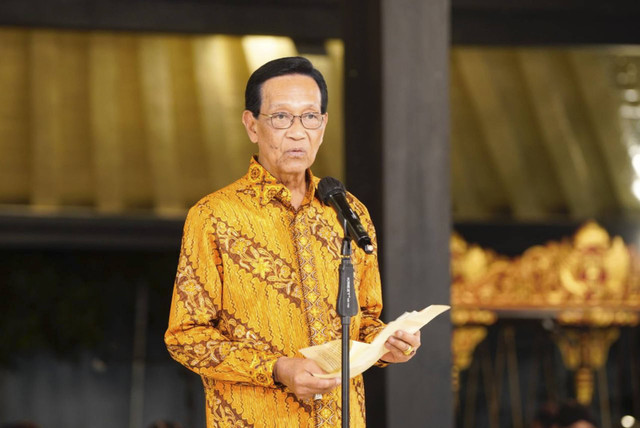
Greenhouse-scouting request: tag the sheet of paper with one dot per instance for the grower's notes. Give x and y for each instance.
(364, 355)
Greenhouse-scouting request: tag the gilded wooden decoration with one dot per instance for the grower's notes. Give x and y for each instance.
(593, 274)
(590, 286)
(585, 351)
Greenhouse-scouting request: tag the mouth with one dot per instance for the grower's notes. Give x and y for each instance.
(296, 152)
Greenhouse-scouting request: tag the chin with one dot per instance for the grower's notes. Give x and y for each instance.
(293, 166)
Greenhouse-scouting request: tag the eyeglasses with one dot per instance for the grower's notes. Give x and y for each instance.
(284, 120)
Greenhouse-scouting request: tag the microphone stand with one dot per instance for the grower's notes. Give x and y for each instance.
(347, 307)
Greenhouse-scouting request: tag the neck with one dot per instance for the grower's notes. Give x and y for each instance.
(296, 182)
(297, 185)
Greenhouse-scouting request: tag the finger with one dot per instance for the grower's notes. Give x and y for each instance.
(398, 356)
(319, 385)
(394, 355)
(314, 369)
(400, 345)
(411, 339)
(326, 384)
(308, 391)
(401, 351)
(311, 390)
(311, 366)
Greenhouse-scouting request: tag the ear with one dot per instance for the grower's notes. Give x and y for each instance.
(324, 126)
(250, 123)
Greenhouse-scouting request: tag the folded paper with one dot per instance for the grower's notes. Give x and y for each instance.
(363, 355)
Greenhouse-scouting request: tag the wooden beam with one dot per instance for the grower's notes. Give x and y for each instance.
(474, 22)
(25, 231)
(316, 20)
(529, 22)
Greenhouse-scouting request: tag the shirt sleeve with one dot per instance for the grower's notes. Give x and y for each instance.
(370, 293)
(193, 337)
(370, 299)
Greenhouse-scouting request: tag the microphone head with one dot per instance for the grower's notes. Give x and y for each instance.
(328, 187)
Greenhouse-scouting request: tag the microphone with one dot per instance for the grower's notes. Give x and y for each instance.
(332, 192)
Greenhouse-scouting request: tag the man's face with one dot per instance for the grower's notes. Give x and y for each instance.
(582, 424)
(286, 152)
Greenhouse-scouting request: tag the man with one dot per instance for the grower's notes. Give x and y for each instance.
(573, 415)
(257, 277)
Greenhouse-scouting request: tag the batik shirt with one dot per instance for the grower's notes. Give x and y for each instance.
(258, 280)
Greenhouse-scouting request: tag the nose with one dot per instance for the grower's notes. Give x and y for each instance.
(296, 130)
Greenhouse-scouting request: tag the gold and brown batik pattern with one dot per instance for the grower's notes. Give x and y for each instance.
(258, 280)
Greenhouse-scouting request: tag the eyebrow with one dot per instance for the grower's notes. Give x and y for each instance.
(289, 105)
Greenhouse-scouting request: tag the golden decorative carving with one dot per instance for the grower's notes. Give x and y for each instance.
(590, 285)
(465, 340)
(468, 263)
(463, 344)
(591, 272)
(596, 268)
(465, 316)
(584, 351)
(598, 317)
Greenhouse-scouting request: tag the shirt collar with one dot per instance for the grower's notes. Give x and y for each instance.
(267, 187)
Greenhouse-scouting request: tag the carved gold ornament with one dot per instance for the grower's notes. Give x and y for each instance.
(589, 284)
(591, 271)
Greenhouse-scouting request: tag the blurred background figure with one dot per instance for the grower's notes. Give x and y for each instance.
(574, 415)
(545, 416)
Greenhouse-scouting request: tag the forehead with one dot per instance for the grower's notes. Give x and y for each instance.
(290, 89)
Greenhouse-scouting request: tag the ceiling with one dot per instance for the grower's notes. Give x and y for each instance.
(545, 133)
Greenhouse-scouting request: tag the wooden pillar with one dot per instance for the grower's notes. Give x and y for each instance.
(415, 119)
(363, 144)
(397, 131)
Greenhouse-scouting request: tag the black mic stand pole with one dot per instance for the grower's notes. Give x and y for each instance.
(347, 307)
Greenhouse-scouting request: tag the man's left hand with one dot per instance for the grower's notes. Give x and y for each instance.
(402, 347)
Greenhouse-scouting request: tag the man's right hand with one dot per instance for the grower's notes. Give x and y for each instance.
(297, 375)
